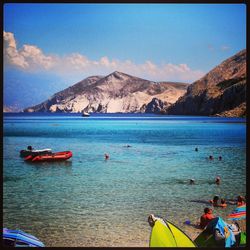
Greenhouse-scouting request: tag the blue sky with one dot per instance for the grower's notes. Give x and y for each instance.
(52, 46)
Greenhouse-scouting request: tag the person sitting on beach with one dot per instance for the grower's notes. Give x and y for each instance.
(206, 217)
(214, 201)
(217, 180)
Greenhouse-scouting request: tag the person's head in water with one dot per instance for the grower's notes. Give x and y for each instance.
(106, 156)
(29, 148)
(240, 200)
(220, 158)
(211, 157)
(217, 180)
(191, 181)
(196, 149)
(215, 199)
(223, 202)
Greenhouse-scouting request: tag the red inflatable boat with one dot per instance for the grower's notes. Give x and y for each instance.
(59, 156)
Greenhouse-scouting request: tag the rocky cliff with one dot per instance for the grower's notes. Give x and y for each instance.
(221, 92)
(117, 92)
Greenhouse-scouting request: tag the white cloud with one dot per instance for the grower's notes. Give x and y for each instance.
(33, 59)
(9, 38)
(28, 57)
(11, 55)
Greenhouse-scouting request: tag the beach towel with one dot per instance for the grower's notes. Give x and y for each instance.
(226, 232)
(238, 213)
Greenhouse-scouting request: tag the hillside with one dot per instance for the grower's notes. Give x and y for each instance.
(221, 92)
(116, 92)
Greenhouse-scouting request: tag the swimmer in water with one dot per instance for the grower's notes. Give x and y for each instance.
(214, 201)
(240, 200)
(191, 181)
(217, 180)
(222, 203)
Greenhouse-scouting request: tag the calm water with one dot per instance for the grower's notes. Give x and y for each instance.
(88, 201)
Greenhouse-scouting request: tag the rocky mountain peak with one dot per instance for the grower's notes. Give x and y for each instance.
(116, 78)
(233, 67)
(221, 90)
(116, 92)
(118, 75)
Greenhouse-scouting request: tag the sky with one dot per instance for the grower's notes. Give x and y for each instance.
(49, 47)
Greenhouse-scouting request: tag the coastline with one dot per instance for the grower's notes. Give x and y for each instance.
(120, 113)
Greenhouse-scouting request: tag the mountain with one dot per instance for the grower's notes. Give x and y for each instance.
(6, 109)
(116, 92)
(221, 92)
(10, 109)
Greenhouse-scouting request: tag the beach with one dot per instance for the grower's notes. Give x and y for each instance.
(90, 201)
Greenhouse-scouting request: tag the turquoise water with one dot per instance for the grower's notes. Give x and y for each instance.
(87, 201)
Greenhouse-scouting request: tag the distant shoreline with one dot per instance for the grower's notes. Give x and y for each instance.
(120, 113)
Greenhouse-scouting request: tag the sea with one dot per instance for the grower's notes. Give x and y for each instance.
(88, 201)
